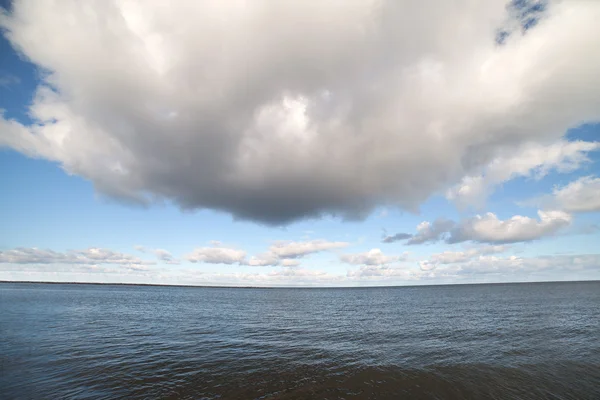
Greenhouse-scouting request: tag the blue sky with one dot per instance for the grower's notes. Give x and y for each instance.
(533, 162)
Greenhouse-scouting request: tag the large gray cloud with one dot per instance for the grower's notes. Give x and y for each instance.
(275, 111)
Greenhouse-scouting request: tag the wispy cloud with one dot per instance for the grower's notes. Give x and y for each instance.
(8, 80)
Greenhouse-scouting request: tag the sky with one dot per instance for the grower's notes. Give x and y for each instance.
(315, 143)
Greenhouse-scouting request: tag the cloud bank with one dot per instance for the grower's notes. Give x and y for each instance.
(91, 256)
(283, 110)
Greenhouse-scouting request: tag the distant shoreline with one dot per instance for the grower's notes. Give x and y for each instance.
(287, 287)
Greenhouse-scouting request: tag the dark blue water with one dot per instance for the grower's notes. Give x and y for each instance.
(512, 341)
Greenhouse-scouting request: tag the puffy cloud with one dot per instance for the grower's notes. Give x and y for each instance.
(582, 195)
(431, 232)
(282, 110)
(489, 228)
(91, 256)
(284, 249)
(532, 159)
(217, 255)
(371, 257)
(397, 237)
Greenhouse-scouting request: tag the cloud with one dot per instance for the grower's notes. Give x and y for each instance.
(284, 253)
(371, 257)
(290, 263)
(282, 277)
(91, 256)
(161, 254)
(489, 228)
(454, 257)
(582, 195)
(165, 256)
(395, 238)
(284, 249)
(532, 159)
(7, 80)
(217, 255)
(431, 232)
(280, 253)
(264, 260)
(513, 265)
(382, 272)
(284, 110)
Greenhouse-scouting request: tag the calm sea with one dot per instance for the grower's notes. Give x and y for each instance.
(509, 341)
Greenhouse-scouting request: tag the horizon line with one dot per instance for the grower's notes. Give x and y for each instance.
(292, 287)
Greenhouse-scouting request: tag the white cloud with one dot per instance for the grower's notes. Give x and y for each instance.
(382, 272)
(582, 195)
(161, 254)
(217, 255)
(284, 249)
(284, 252)
(513, 265)
(7, 80)
(454, 257)
(112, 267)
(371, 257)
(283, 110)
(290, 263)
(280, 253)
(91, 256)
(489, 228)
(532, 160)
(263, 260)
(281, 277)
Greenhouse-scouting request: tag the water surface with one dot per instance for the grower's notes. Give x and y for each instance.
(509, 341)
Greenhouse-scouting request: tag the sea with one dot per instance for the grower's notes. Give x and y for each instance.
(488, 341)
